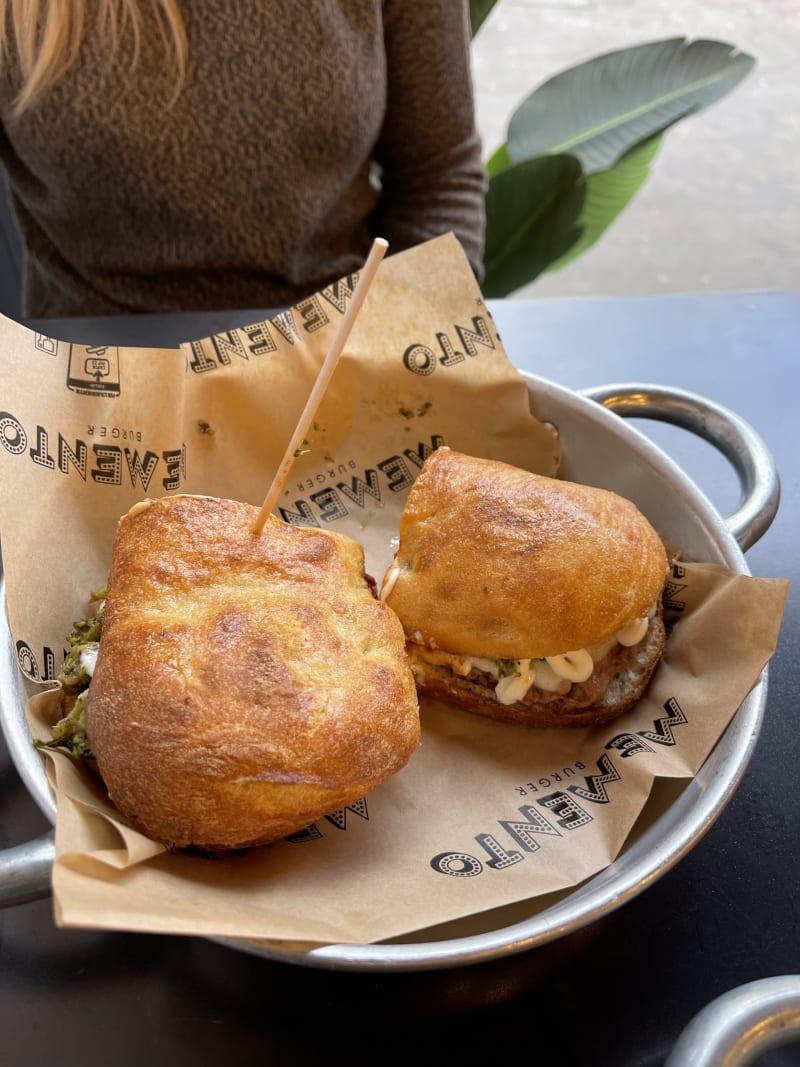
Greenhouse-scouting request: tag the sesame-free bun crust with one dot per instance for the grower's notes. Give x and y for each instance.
(494, 561)
(246, 684)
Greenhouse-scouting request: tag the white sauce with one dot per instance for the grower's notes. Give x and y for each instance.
(633, 632)
(554, 674)
(547, 679)
(389, 580)
(88, 657)
(572, 666)
(513, 687)
(143, 505)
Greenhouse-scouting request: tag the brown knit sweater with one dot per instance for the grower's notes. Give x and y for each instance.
(253, 189)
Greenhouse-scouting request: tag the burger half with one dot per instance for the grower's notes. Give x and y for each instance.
(525, 598)
(245, 685)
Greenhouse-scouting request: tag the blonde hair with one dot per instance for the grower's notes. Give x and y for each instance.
(46, 36)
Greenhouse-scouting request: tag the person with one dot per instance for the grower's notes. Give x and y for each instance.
(164, 155)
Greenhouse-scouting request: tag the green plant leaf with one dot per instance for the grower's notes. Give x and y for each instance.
(497, 161)
(608, 193)
(531, 213)
(600, 109)
(478, 13)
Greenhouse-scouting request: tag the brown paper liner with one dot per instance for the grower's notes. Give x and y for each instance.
(485, 814)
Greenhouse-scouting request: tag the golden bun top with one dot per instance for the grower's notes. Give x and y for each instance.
(497, 562)
(245, 684)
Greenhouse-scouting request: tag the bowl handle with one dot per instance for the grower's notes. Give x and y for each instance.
(741, 1025)
(722, 428)
(25, 871)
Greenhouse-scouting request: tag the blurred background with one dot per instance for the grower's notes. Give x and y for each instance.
(721, 208)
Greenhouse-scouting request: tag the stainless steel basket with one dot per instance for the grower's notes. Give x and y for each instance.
(603, 449)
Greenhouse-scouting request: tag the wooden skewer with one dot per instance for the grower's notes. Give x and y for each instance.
(367, 273)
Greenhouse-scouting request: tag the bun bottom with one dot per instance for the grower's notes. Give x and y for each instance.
(616, 686)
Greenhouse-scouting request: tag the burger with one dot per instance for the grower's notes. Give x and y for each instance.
(526, 598)
(242, 685)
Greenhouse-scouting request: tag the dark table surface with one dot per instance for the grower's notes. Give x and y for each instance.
(614, 994)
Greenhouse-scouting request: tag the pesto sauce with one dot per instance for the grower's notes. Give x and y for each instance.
(70, 731)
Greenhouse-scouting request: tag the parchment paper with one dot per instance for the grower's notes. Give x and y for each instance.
(485, 813)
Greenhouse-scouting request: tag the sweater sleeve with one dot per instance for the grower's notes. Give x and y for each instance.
(429, 151)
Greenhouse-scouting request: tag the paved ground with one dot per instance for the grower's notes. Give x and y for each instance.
(721, 209)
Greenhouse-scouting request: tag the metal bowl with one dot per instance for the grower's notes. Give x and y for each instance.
(740, 1026)
(600, 448)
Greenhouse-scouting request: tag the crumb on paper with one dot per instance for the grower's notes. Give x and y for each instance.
(410, 413)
